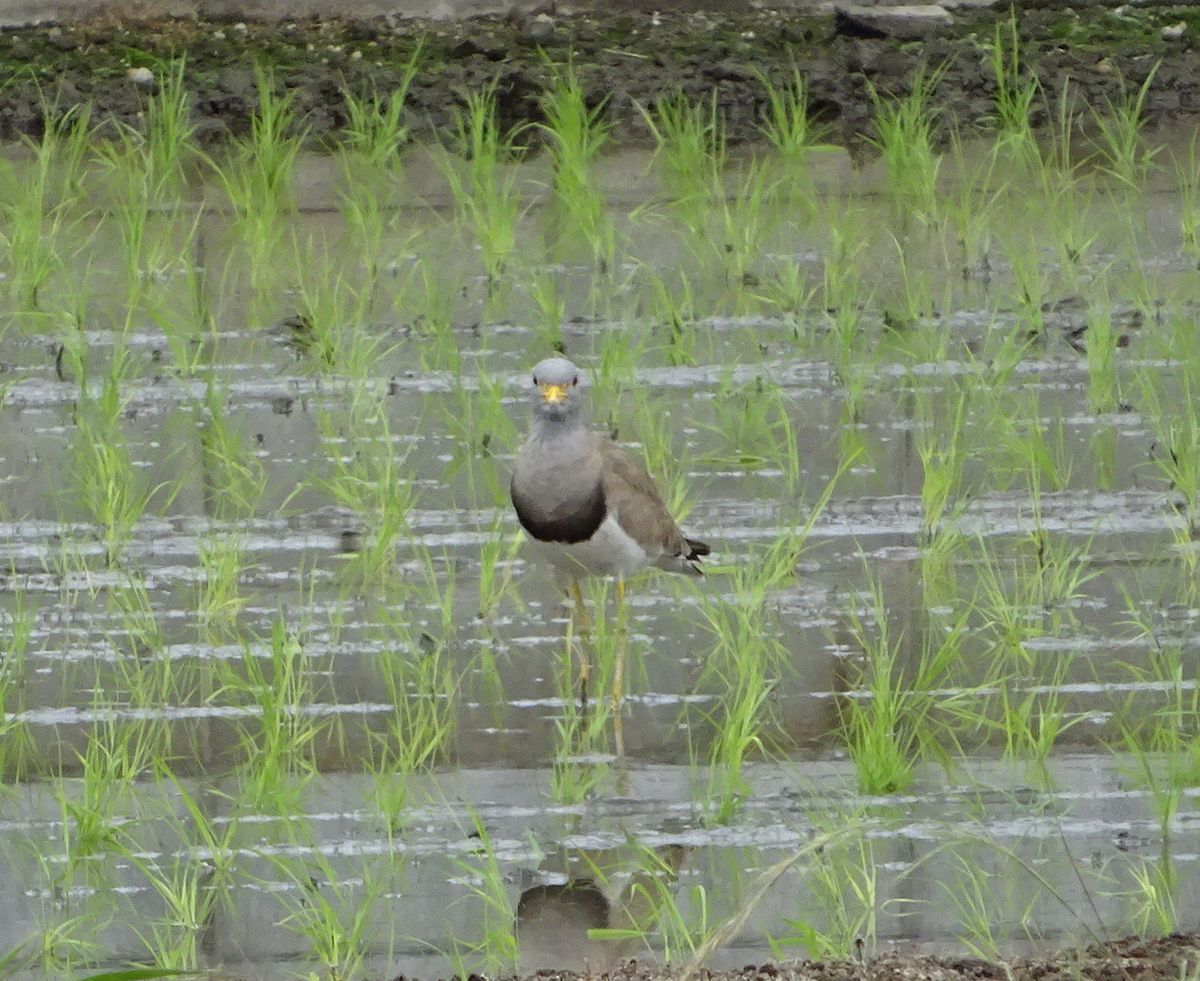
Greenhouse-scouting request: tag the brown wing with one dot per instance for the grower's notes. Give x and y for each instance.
(629, 490)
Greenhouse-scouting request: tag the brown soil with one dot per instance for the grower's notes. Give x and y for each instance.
(628, 57)
(1131, 959)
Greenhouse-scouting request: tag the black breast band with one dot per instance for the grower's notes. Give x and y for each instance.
(565, 530)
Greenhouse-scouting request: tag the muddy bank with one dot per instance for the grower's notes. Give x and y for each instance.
(1168, 958)
(629, 57)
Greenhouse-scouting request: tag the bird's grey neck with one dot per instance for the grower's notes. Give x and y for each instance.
(545, 427)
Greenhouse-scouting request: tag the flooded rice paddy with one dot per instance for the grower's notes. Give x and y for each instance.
(281, 691)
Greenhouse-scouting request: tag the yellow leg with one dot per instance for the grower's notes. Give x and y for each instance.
(585, 629)
(581, 615)
(618, 689)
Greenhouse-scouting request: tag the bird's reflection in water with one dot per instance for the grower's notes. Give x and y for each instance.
(553, 918)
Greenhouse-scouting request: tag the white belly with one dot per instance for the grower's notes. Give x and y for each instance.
(609, 552)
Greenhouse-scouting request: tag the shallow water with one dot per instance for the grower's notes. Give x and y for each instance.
(1059, 859)
(1055, 849)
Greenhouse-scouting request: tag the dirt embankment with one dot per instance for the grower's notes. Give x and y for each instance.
(627, 57)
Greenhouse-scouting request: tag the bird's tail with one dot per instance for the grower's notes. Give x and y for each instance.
(696, 550)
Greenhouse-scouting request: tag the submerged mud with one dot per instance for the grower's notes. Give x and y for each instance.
(625, 58)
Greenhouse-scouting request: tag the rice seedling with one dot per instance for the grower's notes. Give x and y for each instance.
(690, 149)
(843, 883)
(434, 321)
(1058, 176)
(744, 223)
(132, 212)
(582, 744)
(484, 184)
(161, 151)
(365, 226)
(603, 650)
(139, 624)
(375, 130)
(1104, 389)
(184, 886)
(790, 294)
(943, 463)
(419, 734)
(746, 662)
(1164, 744)
(1103, 450)
(841, 270)
(674, 308)
(745, 715)
(1022, 707)
(481, 430)
(1033, 450)
(495, 952)
(972, 208)
(940, 558)
(905, 135)
(1176, 447)
(1059, 164)
(114, 757)
(279, 733)
(913, 306)
(1154, 896)
(436, 593)
(1031, 285)
(1120, 142)
(1016, 94)
(188, 324)
(980, 902)
(734, 618)
(1073, 221)
(1030, 722)
(257, 176)
(330, 325)
(332, 912)
(107, 485)
(15, 737)
(658, 444)
(1187, 177)
(614, 373)
(723, 933)
(169, 145)
(496, 557)
(575, 135)
(551, 306)
(220, 600)
(35, 222)
(654, 904)
(211, 841)
(794, 136)
(232, 476)
(67, 943)
(890, 719)
(367, 475)
(1057, 571)
(760, 435)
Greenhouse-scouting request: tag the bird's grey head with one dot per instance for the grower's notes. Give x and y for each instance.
(557, 391)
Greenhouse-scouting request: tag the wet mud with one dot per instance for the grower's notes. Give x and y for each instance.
(625, 58)
(1127, 959)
